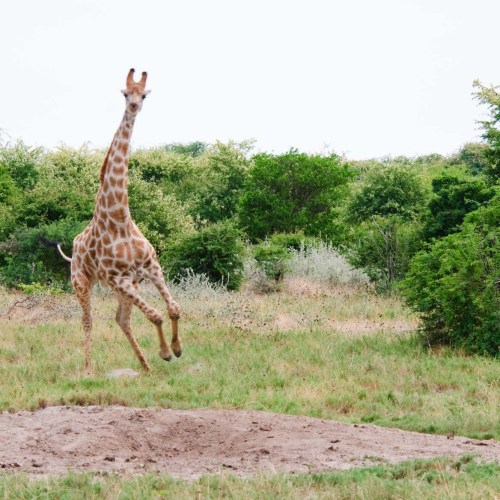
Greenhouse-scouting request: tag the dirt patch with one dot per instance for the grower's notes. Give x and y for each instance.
(191, 443)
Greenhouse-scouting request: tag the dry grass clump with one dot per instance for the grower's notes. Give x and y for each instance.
(322, 263)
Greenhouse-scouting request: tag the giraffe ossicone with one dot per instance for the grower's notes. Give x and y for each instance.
(113, 251)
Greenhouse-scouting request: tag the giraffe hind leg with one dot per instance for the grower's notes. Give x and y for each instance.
(83, 288)
(123, 319)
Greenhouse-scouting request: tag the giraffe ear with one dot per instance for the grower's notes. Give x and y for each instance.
(146, 92)
(124, 92)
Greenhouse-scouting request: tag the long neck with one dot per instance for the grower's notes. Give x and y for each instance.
(112, 198)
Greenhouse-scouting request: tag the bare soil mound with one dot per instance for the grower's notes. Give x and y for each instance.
(191, 443)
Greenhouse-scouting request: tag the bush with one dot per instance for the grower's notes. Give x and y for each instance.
(323, 263)
(222, 170)
(216, 251)
(25, 260)
(453, 199)
(66, 187)
(455, 285)
(161, 218)
(388, 191)
(272, 260)
(384, 247)
(292, 192)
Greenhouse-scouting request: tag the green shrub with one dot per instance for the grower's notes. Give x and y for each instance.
(384, 246)
(161, 217)
(222, 172)
(24, 259)
(22, 162)
(388, 191)
(453, 199)
(455, 284)
(66, 187)
(216, 251)
(292, 192)
(272, 260)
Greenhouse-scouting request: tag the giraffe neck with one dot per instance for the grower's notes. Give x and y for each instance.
(112, 198)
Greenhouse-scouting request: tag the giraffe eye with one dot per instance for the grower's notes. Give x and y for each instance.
(144, 96)
(125, 95)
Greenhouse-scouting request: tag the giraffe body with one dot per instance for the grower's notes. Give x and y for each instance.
(113, 251)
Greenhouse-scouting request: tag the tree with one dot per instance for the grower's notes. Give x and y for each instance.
(453, 199)
(455, 284)
(216, 251)
(490, 97)
(387, 208)
(388, 191)
(292, 192)
(222, 172)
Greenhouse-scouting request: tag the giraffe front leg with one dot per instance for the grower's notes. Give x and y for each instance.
(129, 293)
(155, 274)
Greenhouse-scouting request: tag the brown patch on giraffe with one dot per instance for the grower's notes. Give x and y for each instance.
(126, 134)
(122, 251)
(118, 169)
(119, 214)
(110, 199)
(123, 147)
(101, 224)
(106, 262)
(106, 240)
(122, 265)
(99, 248)
(112, 181)
(121, 197)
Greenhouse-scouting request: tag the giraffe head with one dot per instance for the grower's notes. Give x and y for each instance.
(135, 92)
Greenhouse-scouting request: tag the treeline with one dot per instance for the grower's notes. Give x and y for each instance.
(427, 227)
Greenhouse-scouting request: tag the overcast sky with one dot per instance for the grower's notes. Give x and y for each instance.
(363, 78)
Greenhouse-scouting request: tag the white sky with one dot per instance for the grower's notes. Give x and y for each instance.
(364, 78)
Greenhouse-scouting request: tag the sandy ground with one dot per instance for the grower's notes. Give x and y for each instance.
(191, 443)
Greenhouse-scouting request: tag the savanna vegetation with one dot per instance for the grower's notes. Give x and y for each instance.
(303, 281)
(425, 227)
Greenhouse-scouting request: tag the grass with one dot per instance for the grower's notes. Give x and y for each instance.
(338, 353)
(443, 479)
(294, 352)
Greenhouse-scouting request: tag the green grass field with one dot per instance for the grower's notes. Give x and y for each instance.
(440, 479)
(333, 353)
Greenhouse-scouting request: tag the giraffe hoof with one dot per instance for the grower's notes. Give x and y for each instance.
(166, 357)
(178, 354)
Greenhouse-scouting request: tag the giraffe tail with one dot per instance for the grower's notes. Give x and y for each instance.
(55, 244)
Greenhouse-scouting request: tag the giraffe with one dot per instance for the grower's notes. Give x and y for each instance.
(113, 251)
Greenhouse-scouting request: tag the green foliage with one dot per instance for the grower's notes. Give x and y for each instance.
(25, 260)
(216, 251)
(490, 97)
(454, 284)
(161, 166)
(474, 156)
(453, 199)
(194, 149)
(292, 192)
(10, 198)
(384, 246)
(388, 191)
(66, 187)
(272, 259)
(160, 217)
(22, 162)
(222, 173)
